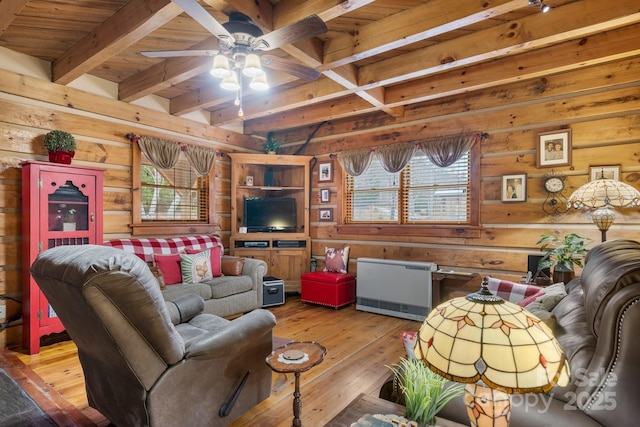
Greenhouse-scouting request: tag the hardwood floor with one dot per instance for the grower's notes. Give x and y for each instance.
(360, 346)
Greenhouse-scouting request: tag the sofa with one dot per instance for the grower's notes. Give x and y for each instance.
(597, 325)
(147, 361)
(225, 295)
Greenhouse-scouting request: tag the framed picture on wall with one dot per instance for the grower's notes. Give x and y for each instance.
(514, 188)
(325, 214)
(554, 148)
(325, 195)
(325, 171)
(606, 172)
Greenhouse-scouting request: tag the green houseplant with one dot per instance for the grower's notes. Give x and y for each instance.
(563, 254)
(61, 146)
(425, 392)
(271, 145)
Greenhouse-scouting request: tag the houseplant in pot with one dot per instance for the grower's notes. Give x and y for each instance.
(563, 254)
(271, 145)
(61, 146)
(425, 393)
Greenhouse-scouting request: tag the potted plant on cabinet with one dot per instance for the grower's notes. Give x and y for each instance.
(61, 146)
(271, 145)
(562, 254)
(425, 393)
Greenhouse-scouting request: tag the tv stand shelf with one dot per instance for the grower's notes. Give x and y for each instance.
(287, 254)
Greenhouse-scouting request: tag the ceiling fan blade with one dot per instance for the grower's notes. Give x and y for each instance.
(174, 53)
(200, 14)
(297, 70)
(303, 29)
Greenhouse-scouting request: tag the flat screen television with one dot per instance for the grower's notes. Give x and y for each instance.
(270, 214)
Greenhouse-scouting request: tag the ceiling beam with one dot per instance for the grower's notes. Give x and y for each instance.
(9, 9)
(134, 21)
(570, 55)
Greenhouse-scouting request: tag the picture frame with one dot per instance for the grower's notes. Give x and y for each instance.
(325, 171)
(608, 172)
(554, 148)
(514, 188)
(325, 195)
(325, 214)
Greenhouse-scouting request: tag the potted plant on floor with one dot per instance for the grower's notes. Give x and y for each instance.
(563, 254)
(61, 146)
(425, 392)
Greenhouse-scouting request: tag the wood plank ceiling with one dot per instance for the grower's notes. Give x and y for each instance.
(379, 59)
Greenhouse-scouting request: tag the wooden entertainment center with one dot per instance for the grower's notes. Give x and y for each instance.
(287, 254)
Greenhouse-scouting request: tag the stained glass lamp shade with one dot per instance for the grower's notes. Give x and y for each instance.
(496, 347)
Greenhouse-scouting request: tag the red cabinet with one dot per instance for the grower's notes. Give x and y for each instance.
(61, 205)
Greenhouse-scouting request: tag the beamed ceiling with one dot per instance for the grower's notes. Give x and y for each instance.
(382, 61)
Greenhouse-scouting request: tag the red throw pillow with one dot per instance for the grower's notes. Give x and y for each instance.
(215, 259)
(170, 267)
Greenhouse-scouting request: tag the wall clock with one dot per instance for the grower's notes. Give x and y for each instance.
(555, 203)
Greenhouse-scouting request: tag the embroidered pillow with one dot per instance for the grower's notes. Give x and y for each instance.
(215, 259)
(196, 268)
(336, 260)
(170, 267)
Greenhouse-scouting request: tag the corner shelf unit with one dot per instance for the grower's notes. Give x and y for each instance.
(287, 254)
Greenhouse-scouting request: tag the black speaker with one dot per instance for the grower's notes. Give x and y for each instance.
(532, 265)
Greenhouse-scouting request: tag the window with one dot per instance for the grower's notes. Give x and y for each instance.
(176, 194)
(421, 194)
(172, 200)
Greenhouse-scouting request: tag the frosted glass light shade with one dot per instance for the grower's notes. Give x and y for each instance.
(259, 83)
(230, 83)
(220, 67)
(252, 66)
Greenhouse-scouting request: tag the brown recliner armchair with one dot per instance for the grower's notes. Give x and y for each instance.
(147, 362)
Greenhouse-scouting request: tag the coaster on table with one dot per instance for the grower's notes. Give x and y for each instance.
(293, 355)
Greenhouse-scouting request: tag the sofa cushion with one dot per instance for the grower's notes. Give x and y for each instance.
(229, 285)
(336, 259)
(548, 297)
(196, 268)
(510, 291)
(214, 255)
(170, 267)
(174, 291)
(232, 266)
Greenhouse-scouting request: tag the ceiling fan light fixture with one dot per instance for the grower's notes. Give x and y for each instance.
(230, 83)
(252, 66)
(221, 67)
(259, 82)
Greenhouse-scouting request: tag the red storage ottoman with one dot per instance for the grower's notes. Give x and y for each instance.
(324, 288)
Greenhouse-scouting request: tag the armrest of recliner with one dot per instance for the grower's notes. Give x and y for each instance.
(235, 337)
(184, 308)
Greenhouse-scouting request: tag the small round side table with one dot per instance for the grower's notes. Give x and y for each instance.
(296, 357)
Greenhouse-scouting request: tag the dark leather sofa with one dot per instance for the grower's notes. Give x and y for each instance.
(599, 330)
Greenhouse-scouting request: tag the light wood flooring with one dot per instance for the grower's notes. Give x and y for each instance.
(360, 347)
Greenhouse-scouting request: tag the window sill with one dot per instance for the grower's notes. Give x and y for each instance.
(455, 231)
(165, 229)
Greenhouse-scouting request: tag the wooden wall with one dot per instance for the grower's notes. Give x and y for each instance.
(601, 105)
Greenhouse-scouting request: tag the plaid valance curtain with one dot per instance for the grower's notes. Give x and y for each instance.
(165, 154)
(443, 151)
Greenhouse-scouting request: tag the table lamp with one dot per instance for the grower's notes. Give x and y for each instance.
(496, 347)
(603, 195)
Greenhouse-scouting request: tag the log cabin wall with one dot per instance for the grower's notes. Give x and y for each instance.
(600, 105)
(30, 107)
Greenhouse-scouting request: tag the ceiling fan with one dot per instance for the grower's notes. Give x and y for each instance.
(239, 41)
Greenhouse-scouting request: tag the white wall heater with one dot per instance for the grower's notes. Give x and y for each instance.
(395, 288)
